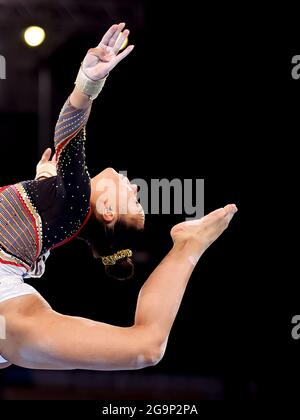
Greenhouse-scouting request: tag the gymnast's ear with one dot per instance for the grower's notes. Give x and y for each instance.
(104, 211)
(108, 214)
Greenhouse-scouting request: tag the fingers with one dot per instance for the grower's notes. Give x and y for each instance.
(115, 36)
(111, 32)
(54, 160)
(124, 54)
(102, 53)
(106, 38)
(99, 67)
(46, 155)
(121, 41)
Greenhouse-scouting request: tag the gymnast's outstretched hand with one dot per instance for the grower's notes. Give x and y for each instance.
(101, 60)
(46, 166)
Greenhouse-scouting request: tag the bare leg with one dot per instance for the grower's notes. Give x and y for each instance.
(43, 339)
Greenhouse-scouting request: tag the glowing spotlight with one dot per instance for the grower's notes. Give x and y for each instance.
(125, 43)
(34, 36)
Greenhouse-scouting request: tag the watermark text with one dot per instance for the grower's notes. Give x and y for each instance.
(2, 67)
(155, 196)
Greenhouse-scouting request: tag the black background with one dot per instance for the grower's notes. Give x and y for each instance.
(207, 93)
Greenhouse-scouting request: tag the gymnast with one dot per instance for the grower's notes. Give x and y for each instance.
(62, 203)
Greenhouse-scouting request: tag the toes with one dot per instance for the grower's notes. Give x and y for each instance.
(220, 217)
(230, 211)
(230, 208)
(219, 213)
(224, 211)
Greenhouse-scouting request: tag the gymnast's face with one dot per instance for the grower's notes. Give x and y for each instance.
(115, 198)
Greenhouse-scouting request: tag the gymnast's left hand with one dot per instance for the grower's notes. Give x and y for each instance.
(46, 166)
(101, 60)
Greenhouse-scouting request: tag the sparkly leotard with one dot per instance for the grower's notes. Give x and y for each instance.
(36, 216)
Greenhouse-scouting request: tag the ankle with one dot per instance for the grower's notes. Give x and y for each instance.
(189, 247)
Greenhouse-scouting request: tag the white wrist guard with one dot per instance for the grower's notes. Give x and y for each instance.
(45, 170)
(90, 87)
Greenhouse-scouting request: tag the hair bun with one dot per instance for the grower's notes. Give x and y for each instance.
(122, 270)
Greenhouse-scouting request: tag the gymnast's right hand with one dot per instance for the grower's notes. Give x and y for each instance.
(101, 60)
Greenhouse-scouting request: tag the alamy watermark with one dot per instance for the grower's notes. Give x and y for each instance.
(296, 68)
(2, 328)
(295, 332)
(157, 196)
(2, 67)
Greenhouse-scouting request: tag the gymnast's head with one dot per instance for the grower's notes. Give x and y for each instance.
(117, 217)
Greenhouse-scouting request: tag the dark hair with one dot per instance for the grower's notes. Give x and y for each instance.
(122, 270)
(105, 241)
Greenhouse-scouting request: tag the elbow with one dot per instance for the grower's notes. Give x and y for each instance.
(151, 356)
(155, 356)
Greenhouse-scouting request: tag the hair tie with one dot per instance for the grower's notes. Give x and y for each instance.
(112, 259)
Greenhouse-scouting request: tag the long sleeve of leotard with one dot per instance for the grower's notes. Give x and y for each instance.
(70, 121)
(63, 201)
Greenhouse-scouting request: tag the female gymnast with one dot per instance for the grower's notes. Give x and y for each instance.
(38, 215)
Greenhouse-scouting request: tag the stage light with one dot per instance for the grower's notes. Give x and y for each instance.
(34, 36)
(125, 43)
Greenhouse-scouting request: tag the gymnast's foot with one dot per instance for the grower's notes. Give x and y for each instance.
(200, 234)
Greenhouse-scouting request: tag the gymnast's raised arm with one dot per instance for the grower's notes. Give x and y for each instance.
(94, 70)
